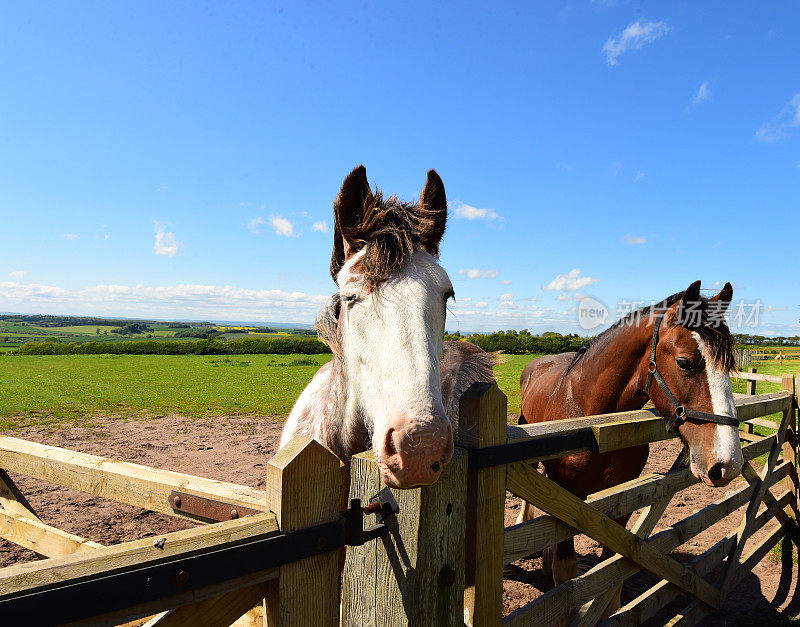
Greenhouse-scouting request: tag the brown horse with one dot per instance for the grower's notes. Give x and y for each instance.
(687, 338)
(392, 383)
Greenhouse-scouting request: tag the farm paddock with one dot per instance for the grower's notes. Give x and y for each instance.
(194, 447)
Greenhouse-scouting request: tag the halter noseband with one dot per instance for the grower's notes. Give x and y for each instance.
(680, 413)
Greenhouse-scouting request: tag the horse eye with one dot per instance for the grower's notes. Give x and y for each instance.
(684, 364)
(350, 298)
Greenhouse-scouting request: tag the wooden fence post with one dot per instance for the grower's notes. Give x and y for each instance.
(751, 385)
(483, 422)
(302, 491)
(790, 442)
(414, 575)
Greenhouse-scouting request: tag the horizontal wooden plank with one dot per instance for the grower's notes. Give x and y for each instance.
(693, 613)
(532, 536)
(35, 535)
(569, 597)
(28, 576)
(653, 599)
(623, 429)
(559, 502)
(124, 482)
(754, 376)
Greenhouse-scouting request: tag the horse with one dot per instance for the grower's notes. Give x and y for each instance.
(684, 344)
(393, 383)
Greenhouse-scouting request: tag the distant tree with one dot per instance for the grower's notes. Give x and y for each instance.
(97, 331)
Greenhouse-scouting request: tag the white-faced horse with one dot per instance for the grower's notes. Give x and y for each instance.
(393, 384)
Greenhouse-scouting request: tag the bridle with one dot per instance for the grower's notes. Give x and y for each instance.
(680, 413)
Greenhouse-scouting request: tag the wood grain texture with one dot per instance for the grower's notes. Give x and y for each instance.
(560, 602)
(124, 482)
(415, 575)
(532, 536)
(43, 539)
(303, 490)
(482, 422)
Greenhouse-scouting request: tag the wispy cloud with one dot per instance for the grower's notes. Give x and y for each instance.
(635, 240)
(282, 226)
(703, 94)
(634, 37)
(69, 236)
(165, 243)
(785, 123)
(506, 282)
(17, 275)
(507, 297)
(570, 282)
(616, 168)
(640, 174)
(477, 273)
(481, 304)
(254, 224)
(225, 302)
(320, 227)
(467, 212)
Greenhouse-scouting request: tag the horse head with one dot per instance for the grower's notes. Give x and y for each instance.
(390, 315)
(694, 356)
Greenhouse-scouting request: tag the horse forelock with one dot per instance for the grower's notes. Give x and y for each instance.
(392, 230)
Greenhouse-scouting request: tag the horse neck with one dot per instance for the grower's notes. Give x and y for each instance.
(612, 375)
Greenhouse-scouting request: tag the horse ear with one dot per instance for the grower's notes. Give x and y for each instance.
(690, 307)
(723, 299)
(348, 216)
(692, 294)
(432, 212)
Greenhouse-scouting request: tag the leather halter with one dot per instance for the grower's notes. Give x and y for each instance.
(680, 413)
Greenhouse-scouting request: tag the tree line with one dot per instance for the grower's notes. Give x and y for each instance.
(283, 345)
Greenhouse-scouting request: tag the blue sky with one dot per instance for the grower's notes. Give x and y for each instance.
(171, 160)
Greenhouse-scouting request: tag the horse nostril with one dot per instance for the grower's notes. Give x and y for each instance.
(435, 466)
(715, 473)
(389, 443)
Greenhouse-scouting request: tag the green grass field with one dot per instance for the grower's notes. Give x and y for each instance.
(55, 388)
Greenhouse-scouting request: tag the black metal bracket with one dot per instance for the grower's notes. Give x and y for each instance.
(164, 577)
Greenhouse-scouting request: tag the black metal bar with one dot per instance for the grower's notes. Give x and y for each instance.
(112, 591)
(501, 454)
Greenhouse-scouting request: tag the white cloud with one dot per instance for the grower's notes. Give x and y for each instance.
(616, 168)
(282, 226)
(165, 243)
(703, 94)
(506, 282)
(161, 188)
(69, 236)
(320, 227)
(507, 297)
(477, 273)
(634, 37)
(570, 282)
(468, 212)
(195, 302)
(481, 304)
(17, 275)
(254, 224)
(785, 123)
(640, 174)
(635, 240)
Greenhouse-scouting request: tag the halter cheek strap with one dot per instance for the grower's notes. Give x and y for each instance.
(680, 413)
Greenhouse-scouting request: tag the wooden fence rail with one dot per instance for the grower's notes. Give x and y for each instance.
(441, 562)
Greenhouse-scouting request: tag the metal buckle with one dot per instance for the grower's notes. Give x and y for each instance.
(651, 367)
(680, 412)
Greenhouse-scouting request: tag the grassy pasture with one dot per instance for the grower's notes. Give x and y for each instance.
(55, 388)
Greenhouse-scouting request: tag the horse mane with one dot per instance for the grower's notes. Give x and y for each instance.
(712, 328)
(327, 323)
(392, 230)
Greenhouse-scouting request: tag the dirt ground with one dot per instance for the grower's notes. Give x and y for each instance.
(236, 450)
